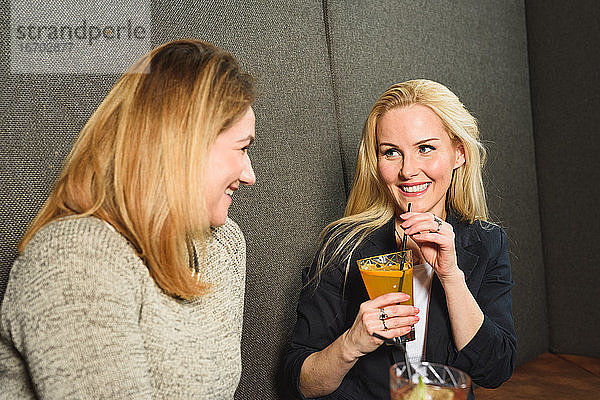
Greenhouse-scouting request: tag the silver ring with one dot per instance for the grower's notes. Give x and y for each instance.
(382, 314)
(385, 328)
(439, 222)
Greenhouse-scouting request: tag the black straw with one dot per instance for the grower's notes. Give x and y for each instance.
(400, 343)
(402, 260)
(404, 239)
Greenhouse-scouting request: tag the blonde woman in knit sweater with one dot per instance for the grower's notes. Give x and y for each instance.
(130, 280)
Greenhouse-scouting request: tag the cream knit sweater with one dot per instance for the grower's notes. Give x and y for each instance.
(82, 319)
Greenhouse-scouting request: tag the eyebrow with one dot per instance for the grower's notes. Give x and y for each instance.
(416, 144)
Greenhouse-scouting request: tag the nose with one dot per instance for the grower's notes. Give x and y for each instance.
(247, 176)
(409, 167)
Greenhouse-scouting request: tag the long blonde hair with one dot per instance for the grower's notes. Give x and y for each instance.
(138, 162)
(370, 204)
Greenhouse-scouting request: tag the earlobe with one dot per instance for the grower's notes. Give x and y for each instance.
(460, 156)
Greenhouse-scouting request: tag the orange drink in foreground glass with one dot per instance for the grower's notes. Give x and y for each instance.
(429, 381)
(387, 273)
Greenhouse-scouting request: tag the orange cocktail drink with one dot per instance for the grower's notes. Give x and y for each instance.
(388, 273)
(382, 282)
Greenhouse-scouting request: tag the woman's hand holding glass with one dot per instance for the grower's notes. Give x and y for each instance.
(394, 321)
(435, 239)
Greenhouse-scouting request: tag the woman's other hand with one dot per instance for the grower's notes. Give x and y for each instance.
(435, 239)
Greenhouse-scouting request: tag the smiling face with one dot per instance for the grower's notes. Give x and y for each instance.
(228, 166)
(416, 157)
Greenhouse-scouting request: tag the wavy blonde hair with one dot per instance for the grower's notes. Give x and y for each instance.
(370, 204)
(138, 162)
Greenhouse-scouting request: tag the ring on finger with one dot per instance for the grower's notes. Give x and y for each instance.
(385, 328)
(382, 314)
(439, 222)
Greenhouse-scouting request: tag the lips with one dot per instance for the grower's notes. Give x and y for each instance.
(414, 189)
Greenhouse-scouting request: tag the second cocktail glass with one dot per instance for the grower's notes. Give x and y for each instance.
(428, 381)
(387, 273)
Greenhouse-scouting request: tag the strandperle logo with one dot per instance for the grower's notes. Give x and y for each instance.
(66, 34)
(100, 37)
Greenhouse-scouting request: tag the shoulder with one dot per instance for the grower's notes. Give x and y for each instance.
(478, 230)
(74, 257)
(488, 237)
(336, 240)
(489, 232)
(362, 233)
(84, 238)
(345, 242)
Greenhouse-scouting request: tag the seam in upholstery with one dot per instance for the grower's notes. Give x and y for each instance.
(336, 103)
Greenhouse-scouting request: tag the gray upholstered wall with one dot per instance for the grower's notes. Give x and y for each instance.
(296, 160)
(41, 116)
(319, 66)
(565, 87)
(479, 50)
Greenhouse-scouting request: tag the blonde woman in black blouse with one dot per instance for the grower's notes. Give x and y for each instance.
(420, 146)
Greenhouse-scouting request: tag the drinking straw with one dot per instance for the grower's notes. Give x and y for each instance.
(403, 254)
(404, 239)
(402, 345)
(406, 361)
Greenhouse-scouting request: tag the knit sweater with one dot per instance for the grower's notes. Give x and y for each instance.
(83, 319)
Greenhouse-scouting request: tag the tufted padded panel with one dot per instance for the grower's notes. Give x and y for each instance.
(42, 115)
(296, 158)
(479, 50)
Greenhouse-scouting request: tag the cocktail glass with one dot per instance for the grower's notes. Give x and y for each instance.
(429, 381)
(387, 273)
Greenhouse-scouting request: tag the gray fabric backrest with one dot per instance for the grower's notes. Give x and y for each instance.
(296, 156)
(296, 160)
(479, 50)
(319, 66)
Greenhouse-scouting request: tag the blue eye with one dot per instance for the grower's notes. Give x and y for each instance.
(390, 153)
(426, 148)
